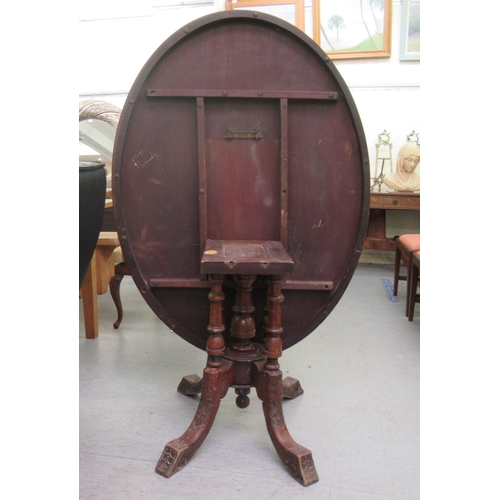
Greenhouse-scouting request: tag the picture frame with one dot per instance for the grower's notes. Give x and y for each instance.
(409, 49)
(353, 29)
(291, 11)
(366, 32)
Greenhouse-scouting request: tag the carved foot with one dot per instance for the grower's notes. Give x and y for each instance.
(291, 388)
(297, 459)
(190, 385)
(177, 453)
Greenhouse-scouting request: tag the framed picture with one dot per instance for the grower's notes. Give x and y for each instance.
(345, 29)
(291, 11)
(348, 29)
(410, 31)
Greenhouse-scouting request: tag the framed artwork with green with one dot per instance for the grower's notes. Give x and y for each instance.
(410, 31)
(344, 29)
(348, 29)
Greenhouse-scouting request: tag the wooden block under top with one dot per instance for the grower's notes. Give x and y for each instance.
(245, 257)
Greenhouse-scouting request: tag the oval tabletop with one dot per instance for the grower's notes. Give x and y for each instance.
(240, 129)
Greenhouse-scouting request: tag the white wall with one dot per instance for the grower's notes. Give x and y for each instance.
(386, 90)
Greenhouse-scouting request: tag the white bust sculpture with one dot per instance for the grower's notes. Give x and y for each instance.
(405, 178)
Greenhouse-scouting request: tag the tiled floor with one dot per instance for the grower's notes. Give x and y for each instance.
(359, 414)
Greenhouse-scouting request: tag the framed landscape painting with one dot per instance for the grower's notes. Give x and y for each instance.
(410, 31)
(347, 29)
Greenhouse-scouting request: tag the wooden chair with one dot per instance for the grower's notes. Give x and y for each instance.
(97, 280)
(101, 266)
(406, 245)
(414, 297)
(121, 270)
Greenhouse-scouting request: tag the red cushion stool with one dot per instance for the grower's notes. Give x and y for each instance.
(406, 245)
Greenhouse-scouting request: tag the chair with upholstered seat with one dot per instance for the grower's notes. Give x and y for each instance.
(406, 246)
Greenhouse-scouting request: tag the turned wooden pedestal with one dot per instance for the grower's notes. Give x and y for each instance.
(241, 365)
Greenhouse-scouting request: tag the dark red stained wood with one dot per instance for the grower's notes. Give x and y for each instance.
(179, 182)
(245, 257)
(243, 175)
(284, 172)
(268, 94)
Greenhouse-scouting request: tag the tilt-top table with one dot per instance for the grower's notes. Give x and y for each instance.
(241, 193)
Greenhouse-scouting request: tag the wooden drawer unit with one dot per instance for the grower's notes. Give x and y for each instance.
(395, 201)
(380, 202)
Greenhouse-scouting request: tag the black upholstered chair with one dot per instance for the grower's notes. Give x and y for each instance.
(92, 200)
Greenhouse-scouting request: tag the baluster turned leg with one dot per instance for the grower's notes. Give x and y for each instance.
(243, 328)
(291, 386)
(243, 323)
(217, 378)
(297, 459)
(272, 324)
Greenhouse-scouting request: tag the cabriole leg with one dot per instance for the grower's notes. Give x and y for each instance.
(177, 453)
(217, 378)
(297, 459)
(269, 383)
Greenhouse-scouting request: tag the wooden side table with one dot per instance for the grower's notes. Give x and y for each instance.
(376, 238)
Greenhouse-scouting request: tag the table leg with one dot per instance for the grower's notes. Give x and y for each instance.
(297, 459)
(268, 380)
(218, 376)
(89, 298)
(216, 382)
